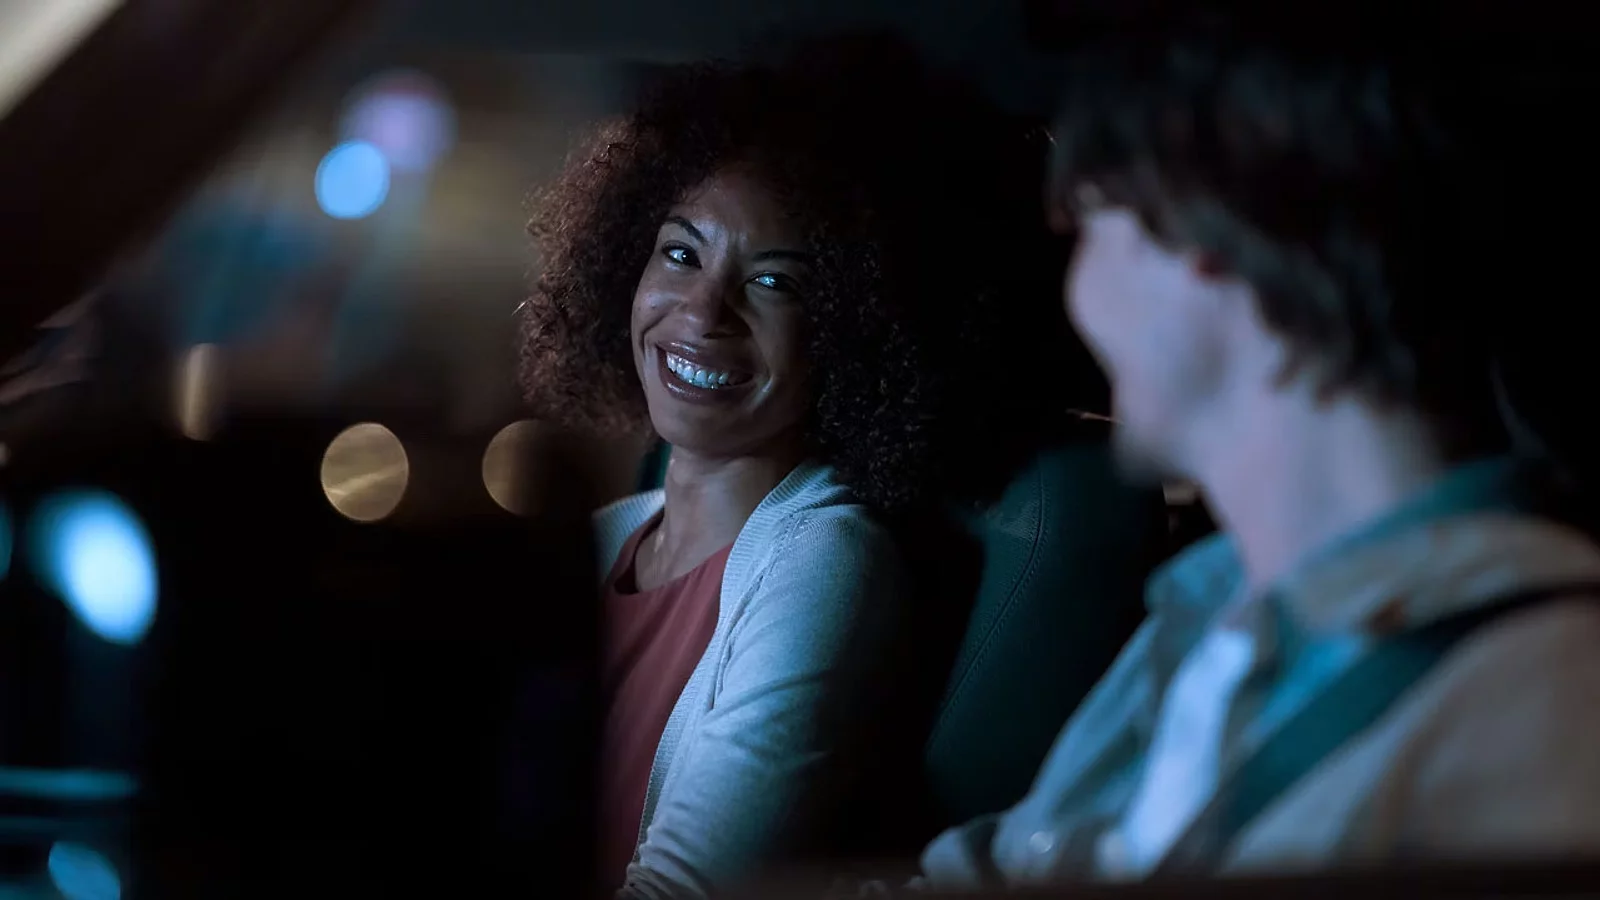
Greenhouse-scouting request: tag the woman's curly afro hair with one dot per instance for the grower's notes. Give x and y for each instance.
(934, 319)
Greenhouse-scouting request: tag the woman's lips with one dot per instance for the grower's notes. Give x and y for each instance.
(696, 382)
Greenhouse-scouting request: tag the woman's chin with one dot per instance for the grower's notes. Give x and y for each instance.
(689, 437)
(715, 443)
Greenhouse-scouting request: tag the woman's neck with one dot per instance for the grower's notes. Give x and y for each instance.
(707, 502)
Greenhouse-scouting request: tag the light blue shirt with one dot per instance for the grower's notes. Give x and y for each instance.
(1308, 630)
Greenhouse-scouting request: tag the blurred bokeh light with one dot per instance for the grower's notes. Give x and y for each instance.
(365, 472)
(406, 116)
(79, 873)
(94, 552)
(352, 180)
(199, 392)
(505, 462)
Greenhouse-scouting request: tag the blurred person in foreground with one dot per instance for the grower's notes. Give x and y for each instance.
(253, 286)
(787, 274)
(1285, 265)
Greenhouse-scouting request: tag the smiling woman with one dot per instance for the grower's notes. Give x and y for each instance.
(803, 278)
(930, 324)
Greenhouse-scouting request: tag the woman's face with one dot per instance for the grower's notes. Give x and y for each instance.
(718, 330)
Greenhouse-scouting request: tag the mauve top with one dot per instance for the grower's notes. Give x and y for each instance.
(654, 640)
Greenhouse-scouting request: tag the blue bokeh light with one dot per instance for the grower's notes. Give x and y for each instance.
(80, 873)
(352, 180)
(90, 548)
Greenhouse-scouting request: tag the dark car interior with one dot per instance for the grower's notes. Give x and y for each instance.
(294, 402)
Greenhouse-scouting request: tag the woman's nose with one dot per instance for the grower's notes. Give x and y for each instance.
(709, 307)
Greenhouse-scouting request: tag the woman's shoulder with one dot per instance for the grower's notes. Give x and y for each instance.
(833, 529)
(810, 543)
(810, 485)
(812, 507)
(824, 575)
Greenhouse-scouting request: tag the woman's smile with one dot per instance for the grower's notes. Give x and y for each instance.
(695, 375)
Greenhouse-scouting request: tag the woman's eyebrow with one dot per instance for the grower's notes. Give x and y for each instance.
(688, 226)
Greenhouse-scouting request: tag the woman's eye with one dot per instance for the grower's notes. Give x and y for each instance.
(775, 282)
(680, 255)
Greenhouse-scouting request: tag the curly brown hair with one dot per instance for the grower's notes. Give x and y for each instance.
(935, 329)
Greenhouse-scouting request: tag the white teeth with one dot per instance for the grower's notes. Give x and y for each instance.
(697, 376)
